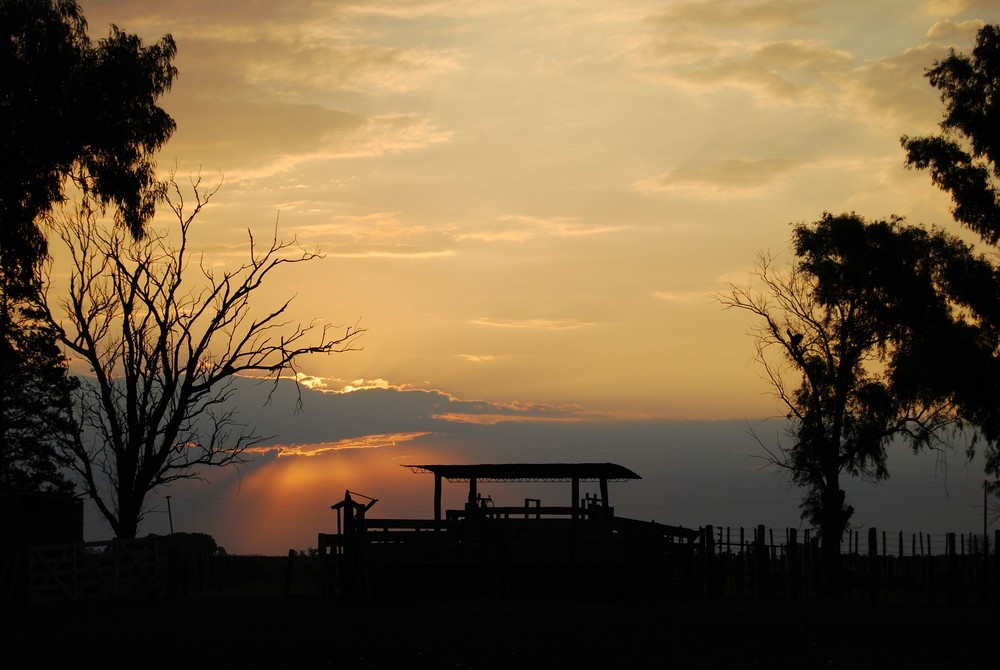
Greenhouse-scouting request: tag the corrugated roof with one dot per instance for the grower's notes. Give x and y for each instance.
(528, 472)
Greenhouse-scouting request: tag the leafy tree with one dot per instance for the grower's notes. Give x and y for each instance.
(68, 108)
(964, 161)
(35, 416)
(835, 319)
(163, 334)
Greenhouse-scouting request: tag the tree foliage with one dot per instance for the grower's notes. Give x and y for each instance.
(964, 161)
(70, 110)
(35, 396)
(830, 333)
(72, 106)
(163, 333)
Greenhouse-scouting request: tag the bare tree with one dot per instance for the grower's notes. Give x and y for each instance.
(163, 335)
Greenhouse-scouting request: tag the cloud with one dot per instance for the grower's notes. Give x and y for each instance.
(521, 228)
(955, 7)
(761, 13)
(494, 419)
(722, 177)
(398, 251)
(958, 33)
(357, 67)
(535, 324)
(317, 448)
(478, 358)
(788, 73)
(681, 297)
(695, 48)
(375, 235)
(351, 414)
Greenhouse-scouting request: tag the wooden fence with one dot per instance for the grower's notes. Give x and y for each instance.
(513, 552)
(147, 567)
(759, 562)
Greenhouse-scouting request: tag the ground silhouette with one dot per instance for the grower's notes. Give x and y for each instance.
(485, 633)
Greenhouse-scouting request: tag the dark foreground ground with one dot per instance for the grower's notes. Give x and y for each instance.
(270, 631)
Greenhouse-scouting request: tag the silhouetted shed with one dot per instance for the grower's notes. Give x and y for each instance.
(526, 472)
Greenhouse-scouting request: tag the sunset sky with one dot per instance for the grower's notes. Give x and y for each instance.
(528, 205)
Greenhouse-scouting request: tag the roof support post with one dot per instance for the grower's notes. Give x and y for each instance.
(576, 498)
(473, 492)
(604, 496)
(437, 501)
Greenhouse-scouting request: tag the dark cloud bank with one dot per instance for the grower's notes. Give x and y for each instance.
(693, 472)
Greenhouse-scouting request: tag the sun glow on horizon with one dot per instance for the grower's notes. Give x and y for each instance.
(528, 207)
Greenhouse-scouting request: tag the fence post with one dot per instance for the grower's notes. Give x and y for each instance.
(952, 564)
(760, 551)
(996, 566)
(289, 567)
(872, 564)
(985, 590)
(708, 549)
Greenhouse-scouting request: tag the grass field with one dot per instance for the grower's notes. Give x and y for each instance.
(271, 631)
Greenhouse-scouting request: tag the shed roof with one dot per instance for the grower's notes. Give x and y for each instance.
(530, 472)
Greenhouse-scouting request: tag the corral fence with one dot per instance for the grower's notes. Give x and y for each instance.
(516, 550)
(146, 567)
(874, 565)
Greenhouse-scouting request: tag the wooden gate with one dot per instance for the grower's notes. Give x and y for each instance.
(86, 569)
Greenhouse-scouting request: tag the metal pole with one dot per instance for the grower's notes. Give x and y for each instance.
(170, 516)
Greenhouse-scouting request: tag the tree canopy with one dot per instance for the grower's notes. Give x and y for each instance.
(69, 105)
(964, 161)
(835, 334)
(71, 110)
(35, 399)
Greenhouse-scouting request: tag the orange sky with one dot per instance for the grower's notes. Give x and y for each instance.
(529, 204)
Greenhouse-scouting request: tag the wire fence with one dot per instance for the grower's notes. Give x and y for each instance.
(872, 564)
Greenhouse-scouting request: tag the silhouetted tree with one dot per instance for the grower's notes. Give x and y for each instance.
(35, 416)
(826, 332)
(163, 334)
(964, 161)
(70, 110)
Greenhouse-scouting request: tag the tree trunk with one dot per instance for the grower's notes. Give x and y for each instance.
(834, 521)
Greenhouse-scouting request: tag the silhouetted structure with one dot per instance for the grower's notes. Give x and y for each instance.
(36, 517)
(507, 548)
(30, 518)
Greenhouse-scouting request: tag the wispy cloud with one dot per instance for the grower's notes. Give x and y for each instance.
(682, 297)
(537, 324)
(726, 176)
(398, 251)
(521, 228)
(742, 13)
(363, 67)
(379, 441)
(375, 235)
(494, 419)
(478, 358)
(950, 31)
(783, 58)
(954, 7)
